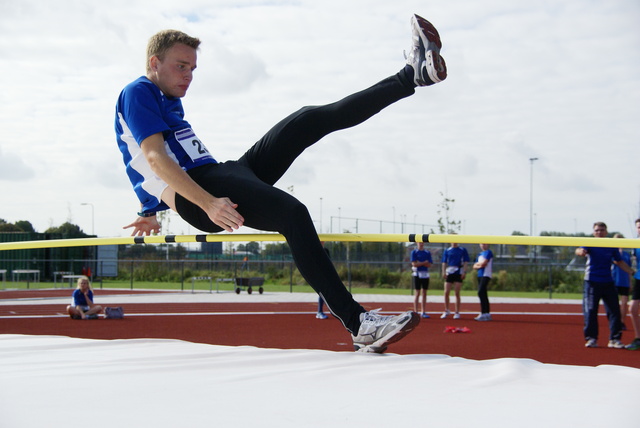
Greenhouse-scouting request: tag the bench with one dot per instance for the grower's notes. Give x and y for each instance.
(28, 272)
(60, 274)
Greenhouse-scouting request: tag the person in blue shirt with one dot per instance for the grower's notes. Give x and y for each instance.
(169, 166)
(454, 266)
(634, 307)
(83, 306)
(484, 266)
(598, 285)
(421, 261)
(622, 280)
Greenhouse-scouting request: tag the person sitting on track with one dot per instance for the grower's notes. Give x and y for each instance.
(83, 307)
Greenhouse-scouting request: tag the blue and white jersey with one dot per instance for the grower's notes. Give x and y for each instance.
(455, 257)
(143, 110)
(620, 277)
(421, 256)
(599, 261)
(79, 299)
(488, 269)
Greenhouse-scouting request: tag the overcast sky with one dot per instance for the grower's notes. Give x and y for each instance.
(553, 80)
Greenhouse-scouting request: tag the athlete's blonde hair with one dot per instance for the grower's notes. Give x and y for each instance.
(160, 42)
(82, 278)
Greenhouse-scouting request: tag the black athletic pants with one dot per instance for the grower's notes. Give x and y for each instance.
(483, 287)
(249, 182)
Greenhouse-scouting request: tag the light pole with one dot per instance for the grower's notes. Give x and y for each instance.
(531, 161)
(92, 216)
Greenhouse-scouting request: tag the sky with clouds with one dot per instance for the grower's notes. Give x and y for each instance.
(553, 80)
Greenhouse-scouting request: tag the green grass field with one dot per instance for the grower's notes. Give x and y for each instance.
(204, 285)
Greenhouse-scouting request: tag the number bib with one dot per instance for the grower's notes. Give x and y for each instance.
(192, 145)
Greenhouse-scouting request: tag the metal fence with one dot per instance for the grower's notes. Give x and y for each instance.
(508, 275)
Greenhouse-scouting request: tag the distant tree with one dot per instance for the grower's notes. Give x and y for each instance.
(564, 252)
(545, 233)
(277, 250)
(67, 229)
(25, 225)
(19, 226)
(9, 227)
(445, 223)
(252, 247)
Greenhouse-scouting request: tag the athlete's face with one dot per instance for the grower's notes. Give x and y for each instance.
(174, 73)
(84, 285)
(599, 231)
(638, 228)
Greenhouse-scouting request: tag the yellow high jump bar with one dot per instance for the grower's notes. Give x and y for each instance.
(560, 241)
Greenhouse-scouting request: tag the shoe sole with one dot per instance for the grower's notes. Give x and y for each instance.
(425, 28)
(379, 346)
(436, 67)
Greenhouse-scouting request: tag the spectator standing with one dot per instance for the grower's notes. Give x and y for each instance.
(484, 266)
(598, 285)
(421, 261)
(454, 265)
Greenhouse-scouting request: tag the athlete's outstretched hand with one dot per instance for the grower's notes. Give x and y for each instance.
(144, 226)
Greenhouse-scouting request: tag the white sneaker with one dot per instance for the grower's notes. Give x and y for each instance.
(456, 316)
(483, 317)
(424, 57)
(321, 316)
(445, 314)
(615, 343)
(378, 331)
(591, 343)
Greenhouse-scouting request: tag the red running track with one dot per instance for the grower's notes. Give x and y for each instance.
(548, 333)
